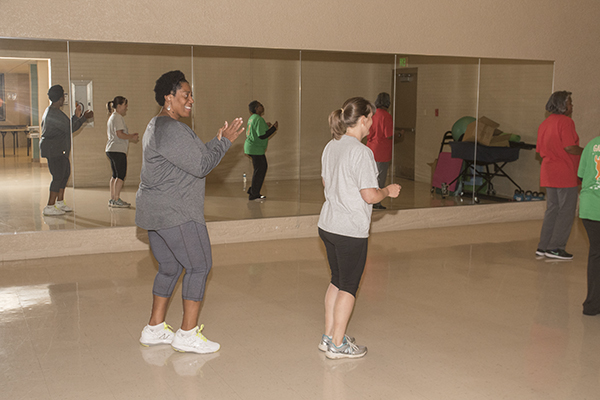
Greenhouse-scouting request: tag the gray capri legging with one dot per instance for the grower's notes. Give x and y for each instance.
(184, 246)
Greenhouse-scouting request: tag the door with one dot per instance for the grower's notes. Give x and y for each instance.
(405, 123)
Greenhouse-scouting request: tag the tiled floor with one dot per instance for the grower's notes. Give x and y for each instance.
(25, 193)
(449, 313)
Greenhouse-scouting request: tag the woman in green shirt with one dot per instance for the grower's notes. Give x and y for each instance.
(589, 212)
(257, 139)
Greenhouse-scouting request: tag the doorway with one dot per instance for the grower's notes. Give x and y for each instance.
(405, 108)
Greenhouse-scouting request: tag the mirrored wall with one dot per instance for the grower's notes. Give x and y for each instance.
(298, 90)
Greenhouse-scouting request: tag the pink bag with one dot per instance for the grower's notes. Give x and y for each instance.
(446, 171)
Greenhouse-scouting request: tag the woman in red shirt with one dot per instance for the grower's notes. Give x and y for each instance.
(379, 140)
(558, 145)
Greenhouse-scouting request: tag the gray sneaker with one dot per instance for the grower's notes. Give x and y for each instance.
(120, 204)
(346, 350)
(110, 202)
(325, 340)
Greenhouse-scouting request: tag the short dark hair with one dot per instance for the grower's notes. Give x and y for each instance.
(557, 103)
(252, 106)
(383, 100)
(55, 93)
(168, 84)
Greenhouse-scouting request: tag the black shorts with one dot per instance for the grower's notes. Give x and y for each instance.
(347, 257)
(118, 163)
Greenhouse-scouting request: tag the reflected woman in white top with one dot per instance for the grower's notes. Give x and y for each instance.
(116, 149)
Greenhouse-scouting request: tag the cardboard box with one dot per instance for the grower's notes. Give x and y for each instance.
(501, 140)
(488, 133)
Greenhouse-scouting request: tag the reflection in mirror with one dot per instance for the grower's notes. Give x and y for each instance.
(226, 80)
(298, 90)
(432, 93)
(29, 68)
(513, 94)
(130, 71)
(328, 80)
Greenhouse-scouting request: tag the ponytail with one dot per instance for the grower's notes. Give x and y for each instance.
(336, 124)
(111, 106)
(347, 116)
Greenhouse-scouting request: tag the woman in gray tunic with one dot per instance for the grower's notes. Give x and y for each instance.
(170, 205)
(55, 145)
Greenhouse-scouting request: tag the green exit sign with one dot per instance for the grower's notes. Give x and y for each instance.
(403, 62)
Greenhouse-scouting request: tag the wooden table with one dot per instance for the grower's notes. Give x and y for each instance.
(14, 129)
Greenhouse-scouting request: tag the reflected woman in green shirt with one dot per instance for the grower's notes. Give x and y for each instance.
(257, 139)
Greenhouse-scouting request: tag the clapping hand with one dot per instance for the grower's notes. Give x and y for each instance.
(231, 131)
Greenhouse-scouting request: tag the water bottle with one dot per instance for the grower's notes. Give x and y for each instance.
(444, 188)
(244, 181)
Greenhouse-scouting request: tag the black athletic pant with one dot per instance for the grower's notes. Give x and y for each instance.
(258, 177)
(591, 305)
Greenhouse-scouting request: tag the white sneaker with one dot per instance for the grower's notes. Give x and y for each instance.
(157, 335)
(61, 205)
(52, 210)
(194, 342)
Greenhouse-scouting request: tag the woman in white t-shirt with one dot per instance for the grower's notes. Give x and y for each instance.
(116, 149)
(349, 175)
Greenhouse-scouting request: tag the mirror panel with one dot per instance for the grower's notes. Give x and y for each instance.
(29, 68)
(328, 80)
(116, 69)
(446, 91)
(513, 93)
(226, 80)
(298, 89)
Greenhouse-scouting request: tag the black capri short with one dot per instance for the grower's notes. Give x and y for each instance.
(118, 163)
(347, 257)
(60, 169)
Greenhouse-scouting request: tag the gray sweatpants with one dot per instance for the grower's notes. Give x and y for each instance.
(561, 204)
(382, 169)
(184, 246)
